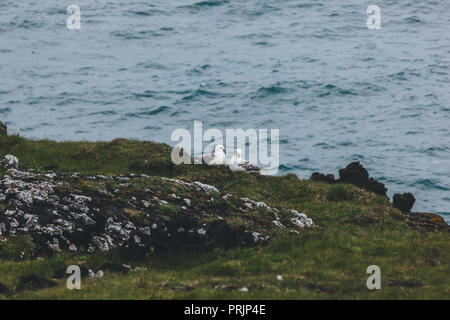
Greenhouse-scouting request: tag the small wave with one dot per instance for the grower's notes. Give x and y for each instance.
(310, 59)
(370, 88)
(41, 99)
(332, 89)
(81, 132)
(254, 36)
(398, 76)
(205, 4)
(148, 94)
(148, 112)
(413, 115)
(435, 151)
(358, 157)
(27, 24)
(345, 143)
(198, 70)
(265, 92)
(142, 13)
(414, 20)
(200, 93)
(264, 44)
(103, 113)
(429, 184)
(326, 34)
(324, 145)
(414, 132)
(264, 9)
(179, 112)
(56, 11)
(136, 35)
(145, 94)
(155, 128)
(285, 168)
(308, 5)
(152, 65)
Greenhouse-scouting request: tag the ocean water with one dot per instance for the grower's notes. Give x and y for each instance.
(337, 91)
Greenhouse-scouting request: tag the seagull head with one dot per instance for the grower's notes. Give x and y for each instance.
(238, 153)
(219, 149)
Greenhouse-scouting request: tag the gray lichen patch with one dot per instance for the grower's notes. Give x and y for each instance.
(76, 213)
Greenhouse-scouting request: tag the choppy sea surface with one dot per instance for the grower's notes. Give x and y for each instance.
(337, 91)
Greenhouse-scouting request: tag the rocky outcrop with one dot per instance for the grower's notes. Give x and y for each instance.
(317, 176)
(426, 222)
(77, 213)
(9, 162)
(3, 129)
(404, 201)
(376, 187)
(356, 174)
(422, 221)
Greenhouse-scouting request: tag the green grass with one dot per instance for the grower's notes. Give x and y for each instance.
(355, 229)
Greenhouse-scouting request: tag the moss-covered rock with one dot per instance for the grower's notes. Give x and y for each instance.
(77, 213)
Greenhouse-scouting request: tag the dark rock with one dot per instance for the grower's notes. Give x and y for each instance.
(317, 176)
(376, 187)
(404, 201)
(34, 282)
(115, 267)
(3, 289)
(426, 222)
(3, 129)
(355, 174)
(221, 234)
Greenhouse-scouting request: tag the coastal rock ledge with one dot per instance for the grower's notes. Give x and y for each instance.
(76, 213)
(354, 173)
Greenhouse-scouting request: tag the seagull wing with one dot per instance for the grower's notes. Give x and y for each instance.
(249, 167)
(209, 159)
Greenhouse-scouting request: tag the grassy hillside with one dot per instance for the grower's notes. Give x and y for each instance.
(354, 229)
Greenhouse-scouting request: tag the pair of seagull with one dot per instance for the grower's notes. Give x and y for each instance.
(237, 163)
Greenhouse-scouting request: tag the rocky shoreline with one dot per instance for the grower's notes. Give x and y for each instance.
(357, 175)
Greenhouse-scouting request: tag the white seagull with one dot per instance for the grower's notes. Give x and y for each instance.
(239, 164)
(216, 159)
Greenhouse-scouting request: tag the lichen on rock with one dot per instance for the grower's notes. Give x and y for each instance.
(9, 162)
(77, 213)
